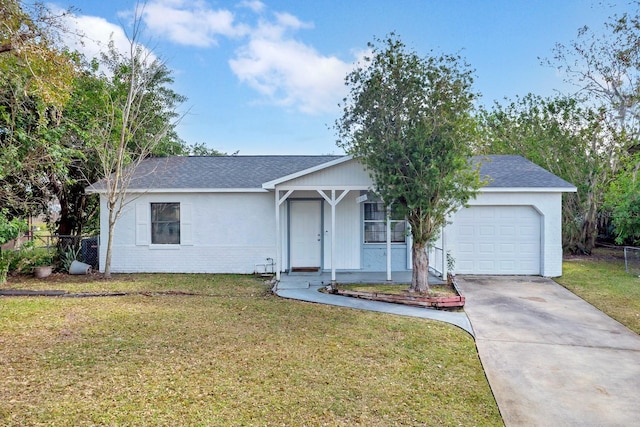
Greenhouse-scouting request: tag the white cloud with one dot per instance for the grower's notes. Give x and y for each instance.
(292, 74)
(190, 23)
(288, 72)
(282, 69)
(255, 5)
(285, 71)
(90, 35)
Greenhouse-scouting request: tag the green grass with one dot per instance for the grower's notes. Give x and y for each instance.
(234, 355)
(602, 281)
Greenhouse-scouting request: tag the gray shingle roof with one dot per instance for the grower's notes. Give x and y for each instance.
(252, 171)
(217, 172)
(515, 171)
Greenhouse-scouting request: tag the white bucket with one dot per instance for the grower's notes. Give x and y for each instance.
(78, 267)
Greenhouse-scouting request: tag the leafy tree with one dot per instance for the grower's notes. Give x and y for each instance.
(605, 66)
(53, 110)
(30, 141)
(201, 149)
(35, 77)
(566, 138)
(606, 69)
(29, 38)
(623, 199)
(85, 107)
(409, 120)
(10, 228)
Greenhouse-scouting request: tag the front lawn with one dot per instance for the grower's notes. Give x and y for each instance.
(232, 355)
(601, 280)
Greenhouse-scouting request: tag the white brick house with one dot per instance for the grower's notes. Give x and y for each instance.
(234, 214)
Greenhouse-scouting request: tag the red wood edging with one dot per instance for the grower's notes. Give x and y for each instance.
(420, 301)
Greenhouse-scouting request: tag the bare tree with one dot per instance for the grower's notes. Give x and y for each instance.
(138, 119)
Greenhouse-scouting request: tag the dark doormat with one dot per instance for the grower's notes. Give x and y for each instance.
(305, 269)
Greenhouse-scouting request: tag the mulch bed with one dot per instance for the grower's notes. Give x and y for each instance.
(417, 300)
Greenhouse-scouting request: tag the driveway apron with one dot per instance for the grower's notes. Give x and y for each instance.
(551, 358)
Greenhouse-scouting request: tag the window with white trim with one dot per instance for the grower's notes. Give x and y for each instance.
(165, 223)
(375, 226)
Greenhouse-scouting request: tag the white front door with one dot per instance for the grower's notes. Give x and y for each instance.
(305, 234)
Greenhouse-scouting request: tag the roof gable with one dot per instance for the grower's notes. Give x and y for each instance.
(342, 172)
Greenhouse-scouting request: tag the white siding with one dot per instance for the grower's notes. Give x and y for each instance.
(232, 232)
(220, 233)
(349, 173)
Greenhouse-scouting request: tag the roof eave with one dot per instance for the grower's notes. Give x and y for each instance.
(183, 190)
(528, 189)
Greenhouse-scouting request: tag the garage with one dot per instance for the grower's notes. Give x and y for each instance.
(498, 240)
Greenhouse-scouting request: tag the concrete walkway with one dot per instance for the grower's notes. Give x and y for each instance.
(551, 358)
(306, 288)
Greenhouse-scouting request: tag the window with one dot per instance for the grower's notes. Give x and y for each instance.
(375, 226)
(165, 223)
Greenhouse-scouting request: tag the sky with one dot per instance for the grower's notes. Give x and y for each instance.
(267, 77)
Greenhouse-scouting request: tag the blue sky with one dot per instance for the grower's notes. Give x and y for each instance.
(265, 77)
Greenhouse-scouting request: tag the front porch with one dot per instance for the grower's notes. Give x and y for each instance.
(327, 219)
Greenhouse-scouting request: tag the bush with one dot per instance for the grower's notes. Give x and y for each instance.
(24, 260)
(623, 199)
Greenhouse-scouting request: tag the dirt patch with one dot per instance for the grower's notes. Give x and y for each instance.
(604, 253)
(63, 278)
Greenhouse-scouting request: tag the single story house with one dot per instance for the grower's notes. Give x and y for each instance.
(242, 214)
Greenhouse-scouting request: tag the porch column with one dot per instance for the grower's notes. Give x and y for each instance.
(279, 202)
(388, 215)
(333, 202)
(333, 236)
(444, 255)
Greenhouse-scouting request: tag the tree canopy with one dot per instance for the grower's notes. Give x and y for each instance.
(50, 114)
(566, 138)
(409, 120)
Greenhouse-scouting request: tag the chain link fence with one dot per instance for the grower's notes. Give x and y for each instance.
(81, 248)
(632, 260)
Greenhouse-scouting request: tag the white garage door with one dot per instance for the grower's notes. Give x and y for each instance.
(497, 240)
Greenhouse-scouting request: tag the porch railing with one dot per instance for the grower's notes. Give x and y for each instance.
(436, 260)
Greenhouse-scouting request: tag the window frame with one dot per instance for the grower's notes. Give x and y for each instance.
(166, 224)
(380, 209)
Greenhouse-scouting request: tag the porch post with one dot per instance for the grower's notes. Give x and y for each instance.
(333, 202)
(388, 215)
(333, 236)
(444, 255)
(278, 237)
(279, 201)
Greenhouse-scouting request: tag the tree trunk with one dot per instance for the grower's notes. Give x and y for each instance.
(107, 261)
(420, 276)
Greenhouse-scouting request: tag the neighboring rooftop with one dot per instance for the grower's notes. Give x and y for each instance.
(229, 172)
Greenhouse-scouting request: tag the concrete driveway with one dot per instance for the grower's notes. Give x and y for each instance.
(551, 358)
